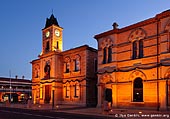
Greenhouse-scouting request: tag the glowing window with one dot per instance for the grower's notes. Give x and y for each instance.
(76, 65)
(67, 67)
(76, 90)
(67, 91)
(67, 61)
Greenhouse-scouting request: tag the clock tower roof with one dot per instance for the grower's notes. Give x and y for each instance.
(51, 21)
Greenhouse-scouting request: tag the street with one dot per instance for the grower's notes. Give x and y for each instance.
(16, 113)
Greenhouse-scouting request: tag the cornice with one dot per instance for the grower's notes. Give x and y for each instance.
(133, 26)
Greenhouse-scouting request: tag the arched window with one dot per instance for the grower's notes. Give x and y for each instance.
(57, 45)
(104, 55)
(134, 50)
(106, 46)
(137, 37)
(138, 90)
(76, 90)
(47, 69)
(67, 65)
(36, 73)
(137, 49)
(77, 63)
(140, 48)
(67, 91)
(110, 54)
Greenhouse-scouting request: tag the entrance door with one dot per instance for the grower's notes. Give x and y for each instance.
(138, 90)
(47, 93)
(108, 95)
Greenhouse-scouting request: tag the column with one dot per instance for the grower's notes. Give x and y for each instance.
(100, 95)
(162, 94)
(114, 95)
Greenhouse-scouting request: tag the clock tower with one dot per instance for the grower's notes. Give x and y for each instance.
(51, 36)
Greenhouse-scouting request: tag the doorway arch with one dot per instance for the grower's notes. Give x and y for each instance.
(138, 90)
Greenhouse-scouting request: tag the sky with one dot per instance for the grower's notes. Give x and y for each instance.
(22, 21)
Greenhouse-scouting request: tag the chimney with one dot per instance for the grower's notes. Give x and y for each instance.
(115, 25)
(23, 77)
(16, 77)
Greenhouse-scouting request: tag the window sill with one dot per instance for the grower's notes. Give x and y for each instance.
(76, 70)
(137, 102)
(66, 72)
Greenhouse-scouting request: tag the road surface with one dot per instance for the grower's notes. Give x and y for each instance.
(17, 113)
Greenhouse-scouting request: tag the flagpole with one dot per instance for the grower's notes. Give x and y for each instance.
(10, 85)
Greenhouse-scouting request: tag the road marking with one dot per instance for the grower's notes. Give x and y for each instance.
(33, 114)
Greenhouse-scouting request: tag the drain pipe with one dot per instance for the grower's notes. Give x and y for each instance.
(158, 106)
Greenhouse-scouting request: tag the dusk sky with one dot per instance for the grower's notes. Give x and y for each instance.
(21, 22)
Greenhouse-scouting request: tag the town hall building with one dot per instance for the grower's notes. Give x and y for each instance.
(63, 77)
(134, 64)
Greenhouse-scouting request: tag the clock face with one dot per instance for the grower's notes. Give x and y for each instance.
(47, 34)
(57, 32)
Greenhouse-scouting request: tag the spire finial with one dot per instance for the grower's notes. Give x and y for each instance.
(51, 21)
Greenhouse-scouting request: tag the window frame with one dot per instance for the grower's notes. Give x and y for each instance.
(109, 54)
(76, 90)
(104, 55)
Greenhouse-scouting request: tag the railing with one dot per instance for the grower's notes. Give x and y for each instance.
(15, 90)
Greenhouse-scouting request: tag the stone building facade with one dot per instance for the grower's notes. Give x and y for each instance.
(134, 64)
(63, 77)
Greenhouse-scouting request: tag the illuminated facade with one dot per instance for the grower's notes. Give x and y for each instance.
(134, 64)
(14, 89)
(63, 77)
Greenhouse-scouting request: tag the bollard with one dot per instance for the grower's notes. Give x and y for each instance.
(29, 103)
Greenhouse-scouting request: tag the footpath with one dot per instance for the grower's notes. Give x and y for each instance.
(114, 112)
